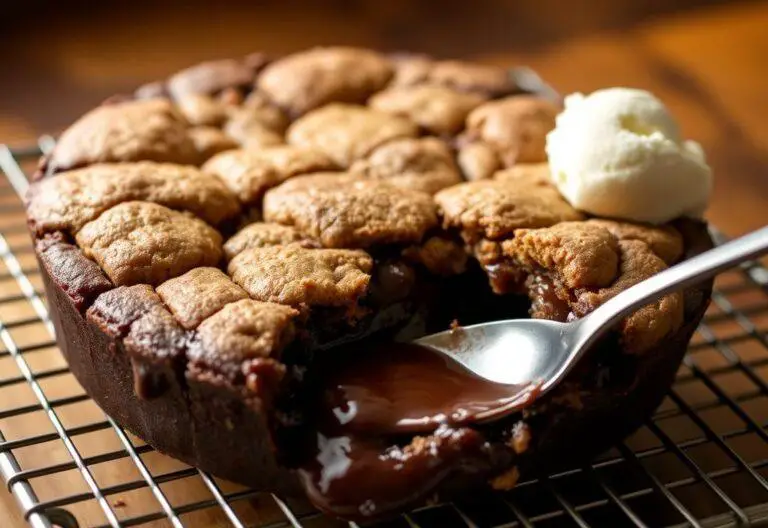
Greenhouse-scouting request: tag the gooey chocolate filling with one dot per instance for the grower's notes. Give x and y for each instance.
(388, 422)
(369, 401)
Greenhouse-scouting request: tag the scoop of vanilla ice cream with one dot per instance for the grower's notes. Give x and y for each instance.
(618, 152)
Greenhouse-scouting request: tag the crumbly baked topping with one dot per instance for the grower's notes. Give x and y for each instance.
(74, 198)
(262, 234)
(209, 141)
(225, 207)
(151, 130)
(435, 108)
(243, 330)
(348, 132)
(483, 79)
(423, 164)
(310, 79)
(594, 264)
(146, 243)
(295, 275)
(500, 134)
(342, 210)
(493, 209)
(198, 294)
(665, 241)
(250, 173)
(212, 77)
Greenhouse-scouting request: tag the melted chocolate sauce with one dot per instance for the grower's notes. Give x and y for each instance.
(404, 388)
(358, 477)
(369, 399)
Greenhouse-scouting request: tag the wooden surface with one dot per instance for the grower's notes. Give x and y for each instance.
(708, 62)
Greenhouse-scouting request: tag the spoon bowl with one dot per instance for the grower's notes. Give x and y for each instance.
(508, 352)
(532, 356)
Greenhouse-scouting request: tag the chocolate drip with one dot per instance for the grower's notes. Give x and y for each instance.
(369, 399)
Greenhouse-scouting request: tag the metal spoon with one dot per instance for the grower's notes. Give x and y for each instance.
(522, 352)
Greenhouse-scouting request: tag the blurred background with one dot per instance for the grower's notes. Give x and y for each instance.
(705, 58)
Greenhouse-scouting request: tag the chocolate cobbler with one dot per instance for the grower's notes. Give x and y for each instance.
(236, 258)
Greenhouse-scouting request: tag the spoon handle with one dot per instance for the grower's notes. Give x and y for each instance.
(687, 273)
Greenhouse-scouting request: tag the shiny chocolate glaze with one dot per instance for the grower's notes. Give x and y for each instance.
(368, 399)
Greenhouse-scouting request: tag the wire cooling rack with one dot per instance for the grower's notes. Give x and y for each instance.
(702, 460)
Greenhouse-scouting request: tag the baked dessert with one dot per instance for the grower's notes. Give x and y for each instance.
(222, 249)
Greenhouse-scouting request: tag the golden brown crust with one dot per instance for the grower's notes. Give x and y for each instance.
(530, 175)
(307, 80)
(347, 132)
(483, 79)
(493, 209)
(594, 265)
(74, 198)
(257, 122)
(645, 328)
(198, 294)
(210, 77)
(515, 128)
(435, 108)
(341, 210)
(151, 130)
(478, 161)
(142, 242)
(472, 77)
(242, 331)
(202, 110)
(209, 141)
(584, 255)
(665, 240)
(260, 234)
(250, 173)
(411, 69)
(253, 137)
(424, 164)
(297, 276)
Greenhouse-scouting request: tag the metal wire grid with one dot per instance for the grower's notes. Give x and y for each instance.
(702, 460)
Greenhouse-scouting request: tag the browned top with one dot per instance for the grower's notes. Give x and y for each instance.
(261, 234)
(141, 242)
(241, 334)
(211, 77)
(341, 210)
(584, 255)
(216, 215)
(198, 294)
(495, 208)
(665, 241)
(307, 80)
(348, 132)
(462, 76)
(152, 130)
(296, 275)
(69, 201)
(438, 109)
(514, 127)
(249, 173)
(595, 264)
(424, 164)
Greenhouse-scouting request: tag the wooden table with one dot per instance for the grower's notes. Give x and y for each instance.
(707, 62)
